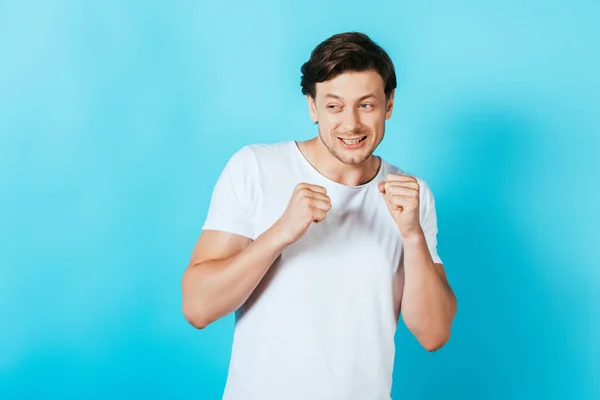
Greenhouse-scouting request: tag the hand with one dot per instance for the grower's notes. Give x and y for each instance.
(401, 194)
(309, 203)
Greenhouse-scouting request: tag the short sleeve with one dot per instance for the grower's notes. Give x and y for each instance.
(232, 204)
(429, 220)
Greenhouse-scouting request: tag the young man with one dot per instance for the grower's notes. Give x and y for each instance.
(317, 246)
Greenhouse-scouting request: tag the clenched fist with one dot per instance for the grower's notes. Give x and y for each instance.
(401, 194)
(309, 203)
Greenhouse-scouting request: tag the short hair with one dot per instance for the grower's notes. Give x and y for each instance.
(346, 52)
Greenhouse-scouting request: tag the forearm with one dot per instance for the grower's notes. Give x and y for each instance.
(428, 303)
(216, 288)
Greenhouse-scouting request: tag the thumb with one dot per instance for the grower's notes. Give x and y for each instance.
(381, 187)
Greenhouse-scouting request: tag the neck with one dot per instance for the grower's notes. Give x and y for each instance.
(330, 167)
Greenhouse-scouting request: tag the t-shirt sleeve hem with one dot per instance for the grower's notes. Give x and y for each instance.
(436, 259)
(229, 228)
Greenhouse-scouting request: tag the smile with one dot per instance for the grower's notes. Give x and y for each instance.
(353, 141)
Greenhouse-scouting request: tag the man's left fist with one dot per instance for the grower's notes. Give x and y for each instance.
(401, 194)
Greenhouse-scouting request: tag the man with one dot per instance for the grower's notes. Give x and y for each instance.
(317, 246)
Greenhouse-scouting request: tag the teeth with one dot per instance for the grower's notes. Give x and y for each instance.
(355, 141)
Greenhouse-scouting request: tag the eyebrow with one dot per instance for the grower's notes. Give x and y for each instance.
(334, 96)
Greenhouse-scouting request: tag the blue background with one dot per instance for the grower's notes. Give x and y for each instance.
(116, 119)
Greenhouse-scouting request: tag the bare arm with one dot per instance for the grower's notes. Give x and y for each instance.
(428, 302)
(223, 272)
(225, 268)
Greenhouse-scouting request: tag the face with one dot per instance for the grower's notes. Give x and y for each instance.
(351, 110)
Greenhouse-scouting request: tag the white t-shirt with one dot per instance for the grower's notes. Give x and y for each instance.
(321, 324)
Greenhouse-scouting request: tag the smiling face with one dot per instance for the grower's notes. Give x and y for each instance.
(351, 110)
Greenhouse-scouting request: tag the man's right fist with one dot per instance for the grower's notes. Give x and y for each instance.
(309, 203)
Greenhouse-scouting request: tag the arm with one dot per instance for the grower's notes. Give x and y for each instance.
(428, 302)
(223, 272)
(225, 268)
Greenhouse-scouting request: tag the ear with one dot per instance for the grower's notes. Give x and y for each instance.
(312, 108)
(389, 105)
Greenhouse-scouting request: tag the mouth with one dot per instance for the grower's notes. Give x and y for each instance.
(352, 142)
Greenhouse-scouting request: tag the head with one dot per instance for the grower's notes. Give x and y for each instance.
(349, 82)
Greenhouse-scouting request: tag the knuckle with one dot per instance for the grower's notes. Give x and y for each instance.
(304, 193)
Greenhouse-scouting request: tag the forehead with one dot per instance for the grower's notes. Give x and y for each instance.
(352, 85)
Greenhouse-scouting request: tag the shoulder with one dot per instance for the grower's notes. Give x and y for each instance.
(262, 155)
(268, 151)
(253, 161)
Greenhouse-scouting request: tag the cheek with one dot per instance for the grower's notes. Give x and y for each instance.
(379, 120)
(327, 124)
(374, 123)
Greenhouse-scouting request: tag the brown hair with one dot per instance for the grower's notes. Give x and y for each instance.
(346, 52)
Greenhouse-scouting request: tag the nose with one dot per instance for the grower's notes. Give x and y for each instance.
(351, 119)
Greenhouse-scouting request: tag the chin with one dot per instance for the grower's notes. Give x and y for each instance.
(352, 157)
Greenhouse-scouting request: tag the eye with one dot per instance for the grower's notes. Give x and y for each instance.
(366, 106)
(333, 106)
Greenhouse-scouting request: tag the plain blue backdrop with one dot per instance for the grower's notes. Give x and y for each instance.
(116, 119)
